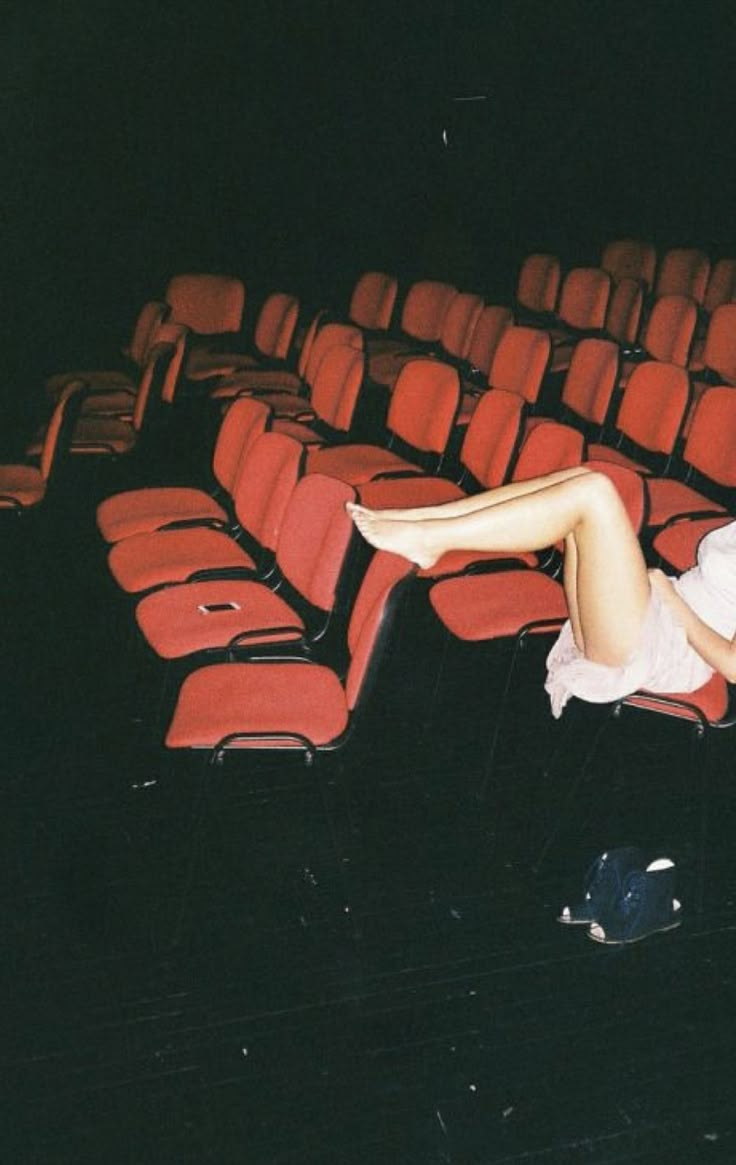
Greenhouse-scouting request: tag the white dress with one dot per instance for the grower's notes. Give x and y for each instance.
(664, 661)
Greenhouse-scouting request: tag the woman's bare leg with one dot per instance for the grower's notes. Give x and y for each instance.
(479, 501)
(606, 579)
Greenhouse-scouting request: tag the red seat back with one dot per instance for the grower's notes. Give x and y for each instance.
(245, 419)
(459, 322)
(150, 317)
(327, 337)
(711, 440)
(161, 371)
(276, 324)
(670, 329)
(683, 271)
(424, 404)
(372, 301)
(654, 404)
(206, 303)
(584, 298)
(520, 361)
(493, 436)
(591, 379)
(538, 283)
(314, 537)
(267, 476)
(59, 428)
(719, 351)
(721, 285)
(425, 307)
(492, 322)
(337, 385)
(370, 619)
(630, 259)
(547, 447)
(623, 316)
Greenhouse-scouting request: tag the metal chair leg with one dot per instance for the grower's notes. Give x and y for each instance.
(490, 760)
(577, 780)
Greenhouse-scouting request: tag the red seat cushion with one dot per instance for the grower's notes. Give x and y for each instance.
(254, 378)
(711, 700)
(119, 403)
(357, 464)
(667, 498)
(298, 431)
(678, 544)
(607, 453)
(96, 380)
(468, 405)
(24, 483)
(298, 698)
(171, 556)
(408, 492)
(106, 434)
(459, 561)
(493, 606)
(178, 621)
(143, 510)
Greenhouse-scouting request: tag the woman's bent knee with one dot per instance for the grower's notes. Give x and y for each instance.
(600, 492)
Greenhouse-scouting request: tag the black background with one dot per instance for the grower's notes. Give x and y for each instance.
(295, 144)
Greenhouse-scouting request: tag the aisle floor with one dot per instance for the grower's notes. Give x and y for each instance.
(358, 964)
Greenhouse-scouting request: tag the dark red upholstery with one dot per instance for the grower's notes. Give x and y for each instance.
(683, 271)
(718, 353)
(120, 381)
(422, 315)
(519, 364)
(269, 474)
(709, 449)
(709, 702)
(372, 301)
(421, 414)
(272, 338)
(721, 285)
(623, 316)
(494, 606)
(583, 299)
(651, 414)
(491, 324)
(23, 487)
(113, 435)
(538, 284)
(334, 397)
(142, 510)
(206, 303)
(454, 340)
(275, 704)
(297, 404)
(677, 544)
(486, 455)
(312, 545)
(590, 381)
(272, 379)
(630, 259)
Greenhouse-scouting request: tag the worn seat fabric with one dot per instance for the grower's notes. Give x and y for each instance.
(142, 510)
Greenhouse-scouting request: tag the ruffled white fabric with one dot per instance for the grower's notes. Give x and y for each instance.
(663, 662)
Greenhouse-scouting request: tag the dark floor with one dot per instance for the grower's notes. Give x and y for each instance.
(366, 969)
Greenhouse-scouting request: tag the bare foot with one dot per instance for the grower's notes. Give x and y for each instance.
(405, 538)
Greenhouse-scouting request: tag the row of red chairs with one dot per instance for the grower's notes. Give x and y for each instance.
(282, 524)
